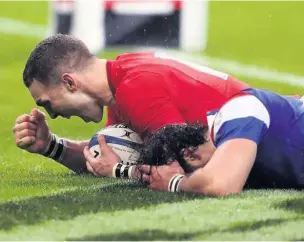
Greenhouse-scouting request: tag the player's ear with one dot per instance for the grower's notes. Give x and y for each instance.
(69, 81)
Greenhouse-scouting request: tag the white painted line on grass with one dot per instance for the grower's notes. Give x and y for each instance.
(16, 27)
(237, 68)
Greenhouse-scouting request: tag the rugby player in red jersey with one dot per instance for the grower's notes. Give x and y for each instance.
(145, 91)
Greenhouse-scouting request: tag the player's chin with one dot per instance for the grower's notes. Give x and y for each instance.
(97, 119)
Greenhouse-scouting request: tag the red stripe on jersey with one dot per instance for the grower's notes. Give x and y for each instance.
(109, 4)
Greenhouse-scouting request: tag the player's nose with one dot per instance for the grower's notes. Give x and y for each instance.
(53, 115)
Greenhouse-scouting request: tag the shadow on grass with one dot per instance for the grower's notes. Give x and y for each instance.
(156, 234)
(295, 205)
(142, 235)
(254, 225)
(67, 205)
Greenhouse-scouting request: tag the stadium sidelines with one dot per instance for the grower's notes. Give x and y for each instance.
(16, 27)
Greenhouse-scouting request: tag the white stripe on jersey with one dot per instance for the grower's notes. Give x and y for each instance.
(210, 120)
(241, 107)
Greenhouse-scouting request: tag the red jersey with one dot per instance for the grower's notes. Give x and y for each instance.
(152, 90)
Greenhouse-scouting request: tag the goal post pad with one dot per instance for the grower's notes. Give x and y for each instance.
(142, 23)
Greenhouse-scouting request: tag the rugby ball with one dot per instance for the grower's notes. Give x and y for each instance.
(124, 142)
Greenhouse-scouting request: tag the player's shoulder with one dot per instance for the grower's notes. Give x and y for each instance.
(139, 83)
(142, 79)
(134, 55)
(137, 64)
(242, 106)
(243, 100)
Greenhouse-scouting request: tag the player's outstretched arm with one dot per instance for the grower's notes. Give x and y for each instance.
(33, 134)
(226, 172)
(238, 128)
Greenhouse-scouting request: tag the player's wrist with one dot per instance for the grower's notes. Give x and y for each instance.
(47, 144)
(136, 173)
(122, 171)
(175, 182)
(55, 149)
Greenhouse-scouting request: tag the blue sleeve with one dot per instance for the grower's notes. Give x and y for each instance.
(246, 128)
(243, 117)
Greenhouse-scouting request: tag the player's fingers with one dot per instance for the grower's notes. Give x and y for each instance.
(34, 113)
(146, 178)
(174, 164)
(146, 169)
(25, 142)
(24, 133)
(23, 118)
(24, 125)
(103, 145)
(37, 114)
(89, 167)
(88, 155)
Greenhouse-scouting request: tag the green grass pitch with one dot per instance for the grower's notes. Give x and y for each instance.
(40, 200)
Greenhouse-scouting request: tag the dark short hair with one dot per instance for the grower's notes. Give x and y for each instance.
(168, 142)
(55, 53)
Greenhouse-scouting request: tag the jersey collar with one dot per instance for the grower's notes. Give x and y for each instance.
(210, 120)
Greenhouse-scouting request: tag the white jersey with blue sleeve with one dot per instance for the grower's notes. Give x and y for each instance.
(276, 124)
(242, 117)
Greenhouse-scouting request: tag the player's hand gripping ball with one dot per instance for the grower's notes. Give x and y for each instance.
(124, 142)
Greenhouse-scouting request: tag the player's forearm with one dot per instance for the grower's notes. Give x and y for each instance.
(73, 157)
(236, 156)
(69, 153)
(200, 182)
(191, 184)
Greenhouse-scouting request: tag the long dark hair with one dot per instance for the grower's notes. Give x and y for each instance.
(168, 143)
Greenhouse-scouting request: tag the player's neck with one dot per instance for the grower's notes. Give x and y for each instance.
(99, 86)
(210, 146)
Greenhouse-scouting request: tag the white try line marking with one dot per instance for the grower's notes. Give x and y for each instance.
(237, 68)
(16, 27)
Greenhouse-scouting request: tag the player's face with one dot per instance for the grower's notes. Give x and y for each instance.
(59, 101)
(199, 157)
